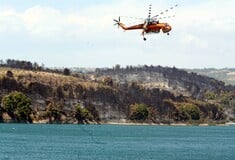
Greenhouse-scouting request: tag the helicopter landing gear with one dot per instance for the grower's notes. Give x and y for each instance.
(143, 35)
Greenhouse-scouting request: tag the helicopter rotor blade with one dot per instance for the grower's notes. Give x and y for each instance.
(132, 17)
(150, 9)
(167, 17)
(134, 22)
(115, 20)
(167, 10)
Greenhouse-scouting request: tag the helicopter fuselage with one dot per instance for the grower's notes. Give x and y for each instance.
(151, 24)
(150, 28)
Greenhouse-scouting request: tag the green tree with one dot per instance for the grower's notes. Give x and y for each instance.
(9, 74)
(139, 112)
(187, 111)
(83, 114)
(210, 95)
(17, 105)
(67, 71)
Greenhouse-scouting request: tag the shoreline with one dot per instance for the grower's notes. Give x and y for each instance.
(128, 123)
(133, 124)
(172, 124)
(146, 124)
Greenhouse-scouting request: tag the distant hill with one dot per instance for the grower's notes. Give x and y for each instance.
(173, 80)
(226, 75)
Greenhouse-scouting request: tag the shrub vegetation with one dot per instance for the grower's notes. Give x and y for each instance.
(17, 105)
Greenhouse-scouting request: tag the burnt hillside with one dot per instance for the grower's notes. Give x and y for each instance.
(109, 94)
(172, 79)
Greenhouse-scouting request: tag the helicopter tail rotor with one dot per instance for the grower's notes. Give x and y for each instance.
(117, 22)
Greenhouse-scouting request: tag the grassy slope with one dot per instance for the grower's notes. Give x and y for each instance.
(51, 79)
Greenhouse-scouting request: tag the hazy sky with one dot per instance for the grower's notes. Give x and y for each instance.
(80, 33)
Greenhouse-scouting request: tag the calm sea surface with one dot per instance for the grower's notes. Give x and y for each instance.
(113, 142)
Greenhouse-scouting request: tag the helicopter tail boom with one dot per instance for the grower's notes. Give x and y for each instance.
(119, 23)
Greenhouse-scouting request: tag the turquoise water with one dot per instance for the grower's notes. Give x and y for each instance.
(110, 142)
